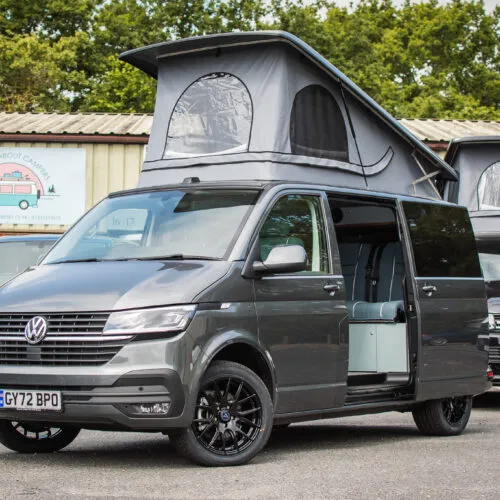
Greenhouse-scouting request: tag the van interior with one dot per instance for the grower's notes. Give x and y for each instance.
(371, 257)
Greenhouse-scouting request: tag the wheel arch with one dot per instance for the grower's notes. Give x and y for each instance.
(239, 347)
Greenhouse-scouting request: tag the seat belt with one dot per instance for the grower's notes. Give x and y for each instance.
(376, 272)
(369, 273)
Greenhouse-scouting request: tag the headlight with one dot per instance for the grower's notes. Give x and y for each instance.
(491, 321)
(161, 319)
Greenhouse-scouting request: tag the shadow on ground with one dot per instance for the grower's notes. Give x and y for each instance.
(488, 401)
(155, 451)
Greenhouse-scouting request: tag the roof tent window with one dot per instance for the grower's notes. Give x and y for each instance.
(488, 189)
(317, 126)
(213, 116)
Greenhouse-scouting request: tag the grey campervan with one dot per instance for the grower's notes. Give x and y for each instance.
(477, 161)
(285, 257)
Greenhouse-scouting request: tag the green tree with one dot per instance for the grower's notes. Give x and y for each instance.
(38, 75)
(46, 18)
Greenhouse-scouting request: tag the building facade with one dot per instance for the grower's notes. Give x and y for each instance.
(107, 155)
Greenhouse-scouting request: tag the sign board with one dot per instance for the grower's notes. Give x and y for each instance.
(41, 185)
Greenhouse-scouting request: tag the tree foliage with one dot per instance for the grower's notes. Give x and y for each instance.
(421, 60)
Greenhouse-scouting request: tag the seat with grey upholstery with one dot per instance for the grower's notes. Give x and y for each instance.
(383, 288)
(276, 231)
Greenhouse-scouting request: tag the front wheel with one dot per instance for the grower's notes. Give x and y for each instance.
(233, 417)
(25, 437)
(444, 417)
(23, 205)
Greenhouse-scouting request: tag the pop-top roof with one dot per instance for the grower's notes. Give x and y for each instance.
(148, 59)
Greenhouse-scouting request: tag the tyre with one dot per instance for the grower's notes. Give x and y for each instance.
(444, 417)
(26, 437)
(23, 204)
(233, 417)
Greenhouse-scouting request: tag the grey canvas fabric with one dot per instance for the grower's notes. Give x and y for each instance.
(231, 112)
(477, 160)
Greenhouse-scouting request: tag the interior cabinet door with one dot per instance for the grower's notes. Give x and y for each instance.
(362, 347)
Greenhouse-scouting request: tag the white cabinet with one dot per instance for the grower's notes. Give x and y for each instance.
(378, 347)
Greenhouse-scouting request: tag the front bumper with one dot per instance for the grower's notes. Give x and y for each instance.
(107, 405)
(103, 397)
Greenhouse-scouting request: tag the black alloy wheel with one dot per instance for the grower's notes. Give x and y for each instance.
(444, 417)
(233, 417)
(228, 416)
(454, 409)
(32, 437)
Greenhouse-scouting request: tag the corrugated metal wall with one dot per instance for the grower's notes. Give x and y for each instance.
(110, 167)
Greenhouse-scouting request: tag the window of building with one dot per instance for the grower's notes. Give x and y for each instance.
(317, 127)
(443, 241)
(488, 188)
(297, 220)
(213, 116)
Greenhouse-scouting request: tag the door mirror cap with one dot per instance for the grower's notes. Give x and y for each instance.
(283, 259)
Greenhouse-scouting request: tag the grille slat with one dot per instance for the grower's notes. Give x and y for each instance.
(497, 321)
(494, 354)
(73, 339)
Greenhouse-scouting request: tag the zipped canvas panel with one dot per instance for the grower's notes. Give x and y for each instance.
(273, 110)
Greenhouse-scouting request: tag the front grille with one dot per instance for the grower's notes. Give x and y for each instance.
(497, 321)
(72, 340)
(57, 323)
(494, 354)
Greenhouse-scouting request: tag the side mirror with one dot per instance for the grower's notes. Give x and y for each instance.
(283, 259)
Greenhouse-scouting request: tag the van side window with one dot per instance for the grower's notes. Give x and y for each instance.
(297, 220)
(443, 241)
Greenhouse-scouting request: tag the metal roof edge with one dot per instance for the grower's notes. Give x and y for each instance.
(457, 143)
(146, 58)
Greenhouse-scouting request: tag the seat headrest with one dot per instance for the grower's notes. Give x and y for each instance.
(275, 227)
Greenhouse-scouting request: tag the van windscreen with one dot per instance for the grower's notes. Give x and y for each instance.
(191, 223)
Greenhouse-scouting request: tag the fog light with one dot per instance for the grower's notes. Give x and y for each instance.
(152, 408)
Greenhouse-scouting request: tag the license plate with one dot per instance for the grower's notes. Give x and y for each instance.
(30, 400)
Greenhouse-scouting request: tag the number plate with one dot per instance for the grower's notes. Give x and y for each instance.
(30, 400)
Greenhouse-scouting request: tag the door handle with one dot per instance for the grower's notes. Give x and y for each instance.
(331, 288)
(428, 289)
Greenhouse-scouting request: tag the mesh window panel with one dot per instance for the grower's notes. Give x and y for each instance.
(213, 116)
(317, 127)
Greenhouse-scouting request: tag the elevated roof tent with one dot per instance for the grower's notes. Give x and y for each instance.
(266, 106)
(477, 161)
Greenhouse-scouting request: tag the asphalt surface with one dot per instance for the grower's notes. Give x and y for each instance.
(374, 456)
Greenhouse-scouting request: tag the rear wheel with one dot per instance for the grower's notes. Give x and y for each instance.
(233, 417)
(444, 417)
(25, 437)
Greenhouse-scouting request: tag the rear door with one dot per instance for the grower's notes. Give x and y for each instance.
(302, 316)
(451, 305)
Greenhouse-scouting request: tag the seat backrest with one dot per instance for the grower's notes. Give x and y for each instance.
(357, 257)
(349, 254)
(390, 274)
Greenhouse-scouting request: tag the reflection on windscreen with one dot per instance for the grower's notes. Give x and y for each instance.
(490, 264)
(16, 256)
(196, 223)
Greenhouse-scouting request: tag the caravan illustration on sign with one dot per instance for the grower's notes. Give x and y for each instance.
(19, 186)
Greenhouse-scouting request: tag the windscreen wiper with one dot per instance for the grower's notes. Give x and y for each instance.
(175, 256)
(70, 261)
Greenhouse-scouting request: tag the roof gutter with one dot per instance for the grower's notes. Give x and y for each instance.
(75, 138)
